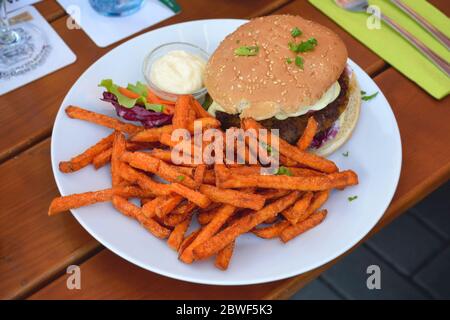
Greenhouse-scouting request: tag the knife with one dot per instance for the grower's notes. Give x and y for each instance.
(442, 38)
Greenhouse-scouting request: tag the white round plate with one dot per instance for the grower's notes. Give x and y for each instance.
(374, 152)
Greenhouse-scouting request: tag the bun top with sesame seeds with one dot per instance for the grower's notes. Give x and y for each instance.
(275, 65)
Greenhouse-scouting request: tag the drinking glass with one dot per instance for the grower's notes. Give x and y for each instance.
(23, 46)
(116, 8)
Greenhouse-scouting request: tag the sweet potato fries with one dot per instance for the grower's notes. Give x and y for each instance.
(228, 200)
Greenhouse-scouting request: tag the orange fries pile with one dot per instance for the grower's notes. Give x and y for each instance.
(227, 201)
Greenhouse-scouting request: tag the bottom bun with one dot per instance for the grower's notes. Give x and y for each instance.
(346, 122)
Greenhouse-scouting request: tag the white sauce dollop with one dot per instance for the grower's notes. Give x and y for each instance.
(178, 72)
(328, 97)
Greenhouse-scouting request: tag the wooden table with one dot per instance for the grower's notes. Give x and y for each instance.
(35, 250)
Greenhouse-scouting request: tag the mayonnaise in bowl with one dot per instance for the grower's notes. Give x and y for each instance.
(178, 72)
(176, 68)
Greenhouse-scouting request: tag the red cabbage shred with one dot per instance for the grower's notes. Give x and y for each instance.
(148, 118)
(324, 136)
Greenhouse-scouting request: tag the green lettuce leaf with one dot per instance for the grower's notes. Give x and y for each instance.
(138, 88)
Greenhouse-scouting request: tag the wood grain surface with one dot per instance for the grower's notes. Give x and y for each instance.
(141, 284)
(50, 10)
(34, 247)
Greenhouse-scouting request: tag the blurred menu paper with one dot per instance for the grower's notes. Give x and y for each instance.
(108, 30)
(58, 57)
(391, 47)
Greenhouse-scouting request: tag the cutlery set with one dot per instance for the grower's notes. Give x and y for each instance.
(442, 64)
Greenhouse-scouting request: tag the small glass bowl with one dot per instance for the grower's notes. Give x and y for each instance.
(160, 51)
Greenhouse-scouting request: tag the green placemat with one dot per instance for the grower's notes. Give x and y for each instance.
(391, 47)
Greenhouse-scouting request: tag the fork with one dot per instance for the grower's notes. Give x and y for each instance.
(363, 5)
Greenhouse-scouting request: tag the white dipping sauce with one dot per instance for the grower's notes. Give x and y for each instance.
(178, 72)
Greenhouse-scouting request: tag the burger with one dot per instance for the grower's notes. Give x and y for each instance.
(281, 70)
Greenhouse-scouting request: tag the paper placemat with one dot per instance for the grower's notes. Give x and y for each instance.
(108, 30)
(59, 54)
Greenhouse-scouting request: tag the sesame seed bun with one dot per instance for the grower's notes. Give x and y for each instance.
(263, 85)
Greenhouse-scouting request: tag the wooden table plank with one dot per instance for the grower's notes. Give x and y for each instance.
(33, 107)
(141, 284)
(441, 5)
(35, 249)
(423, 124)
(363, 56)
(50, 10)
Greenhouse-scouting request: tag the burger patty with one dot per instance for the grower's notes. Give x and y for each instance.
(292, 128)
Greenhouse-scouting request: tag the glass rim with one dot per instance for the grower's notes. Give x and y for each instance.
(200, 91)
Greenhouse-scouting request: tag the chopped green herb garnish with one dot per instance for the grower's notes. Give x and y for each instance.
(283, 171)
(345, 154)
(181, 178)
(303, 46)
(363, 92)
(308, 45)
(299, 61)
(367, 98)
(288, 60)
(267, 147)
(247, 51)
(352, 198)
(296, 32)
(293, 46)
(208, 101)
